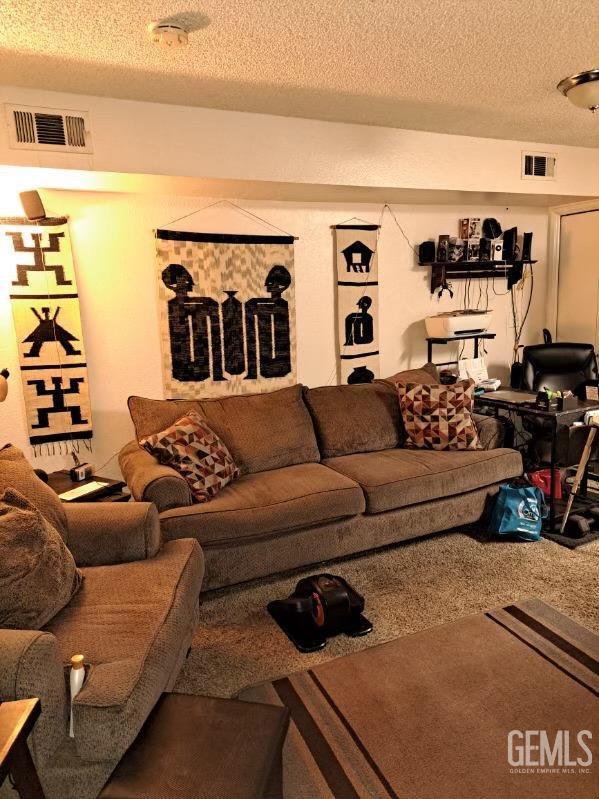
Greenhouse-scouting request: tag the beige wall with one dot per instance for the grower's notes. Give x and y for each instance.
(114, 252)
(157, 139)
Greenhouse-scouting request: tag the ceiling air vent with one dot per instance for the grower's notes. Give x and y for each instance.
(48, 129)
(538, 166)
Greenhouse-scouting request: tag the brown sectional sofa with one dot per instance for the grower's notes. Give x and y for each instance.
(324, 474)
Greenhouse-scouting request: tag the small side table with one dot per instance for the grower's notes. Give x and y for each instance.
(17, 719)
(111, 492)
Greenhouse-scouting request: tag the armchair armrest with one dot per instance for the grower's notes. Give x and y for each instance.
(150, 481)
(491, 431)
(104, 533)
(31, 666)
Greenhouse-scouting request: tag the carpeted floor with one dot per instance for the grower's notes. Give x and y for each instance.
(408, 587)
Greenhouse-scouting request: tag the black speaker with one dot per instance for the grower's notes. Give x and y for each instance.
(426, 252)
(509, 244)
(32, 205)
(526, 247)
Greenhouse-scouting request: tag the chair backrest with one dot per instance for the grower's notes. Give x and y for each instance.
(558, 366)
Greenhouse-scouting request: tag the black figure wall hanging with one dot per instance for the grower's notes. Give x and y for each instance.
(357, 302)
(45, 303)
(227, 312)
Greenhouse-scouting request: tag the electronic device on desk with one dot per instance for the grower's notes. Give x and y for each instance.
(89, 489)
(457, 323)
(491, 384)
(80, 471)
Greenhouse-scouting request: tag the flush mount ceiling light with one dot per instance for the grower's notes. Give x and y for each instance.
(166, 35)
(582, 89)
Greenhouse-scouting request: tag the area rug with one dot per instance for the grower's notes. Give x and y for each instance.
(408, 587)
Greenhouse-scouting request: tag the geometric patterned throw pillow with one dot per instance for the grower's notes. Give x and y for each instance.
(437, 416)
(196, 452)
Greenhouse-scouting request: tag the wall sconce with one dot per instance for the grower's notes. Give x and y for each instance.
(4, 375)
(32, 206)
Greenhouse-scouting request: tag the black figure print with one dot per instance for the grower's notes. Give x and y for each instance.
(359, 327)
(233, 334)
(49, 330)
(358, 257)
(267, 329)
(361, 374)
(58, 393)
(194, 327)
(39, 264)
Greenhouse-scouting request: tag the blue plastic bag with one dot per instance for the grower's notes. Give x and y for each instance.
(518, 511)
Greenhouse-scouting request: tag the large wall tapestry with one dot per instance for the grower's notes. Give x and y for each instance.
(45, 303)
(227, 313)
(357, 302)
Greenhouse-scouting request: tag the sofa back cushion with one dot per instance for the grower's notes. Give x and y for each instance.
(357, 418)
(16, 472)
(38, 575)
(262, 431)
(425, 374)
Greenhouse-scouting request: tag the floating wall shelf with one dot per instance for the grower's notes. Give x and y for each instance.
(442, 271)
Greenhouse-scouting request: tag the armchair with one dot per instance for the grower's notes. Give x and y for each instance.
(132, 619)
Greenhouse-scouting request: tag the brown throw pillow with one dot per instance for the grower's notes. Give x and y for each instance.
(38, 575)
(196, 452)
(437, 416)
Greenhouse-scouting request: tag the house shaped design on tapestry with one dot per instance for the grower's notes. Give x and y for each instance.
(358, 257)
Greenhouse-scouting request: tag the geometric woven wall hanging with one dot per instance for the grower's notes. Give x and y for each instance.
(357, 302)
(227, 313)
(45, 305)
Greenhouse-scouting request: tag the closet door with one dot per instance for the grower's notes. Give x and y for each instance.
(578, 289)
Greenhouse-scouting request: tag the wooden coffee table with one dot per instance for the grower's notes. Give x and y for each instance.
(429, 715)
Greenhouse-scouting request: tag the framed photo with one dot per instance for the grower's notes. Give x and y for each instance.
(475, 229)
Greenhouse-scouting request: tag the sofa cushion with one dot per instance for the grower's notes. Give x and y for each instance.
(396, 478)
(133, 623)
(195, 451)
(16, 472)
(38, 575)
(437, 416)
(425, 374)
(360, 418)
(262, 431)
(265, 503)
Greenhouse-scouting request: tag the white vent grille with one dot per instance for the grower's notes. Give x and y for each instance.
(48, 129)
(538, 166)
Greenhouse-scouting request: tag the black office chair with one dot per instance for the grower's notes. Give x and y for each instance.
(559, 366)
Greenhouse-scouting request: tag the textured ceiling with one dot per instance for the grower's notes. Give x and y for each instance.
(473, 67)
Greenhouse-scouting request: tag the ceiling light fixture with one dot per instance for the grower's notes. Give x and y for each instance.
(166, 35)
(582, 89)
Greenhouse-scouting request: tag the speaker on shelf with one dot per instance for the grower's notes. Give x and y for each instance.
(509, 244)
(526, 247)
(426, 252)
(32, 206)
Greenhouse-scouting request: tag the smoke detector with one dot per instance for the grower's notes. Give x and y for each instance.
(166, 35)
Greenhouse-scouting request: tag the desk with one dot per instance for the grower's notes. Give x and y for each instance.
(522, 404)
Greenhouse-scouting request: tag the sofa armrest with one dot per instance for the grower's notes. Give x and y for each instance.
(31, 666)
(491, 431)
(102, 533)
(150, 481)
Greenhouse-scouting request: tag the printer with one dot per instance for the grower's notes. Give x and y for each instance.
(457, 323)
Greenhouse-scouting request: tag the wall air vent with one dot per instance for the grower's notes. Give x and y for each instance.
(538, 166)
(48, 129)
